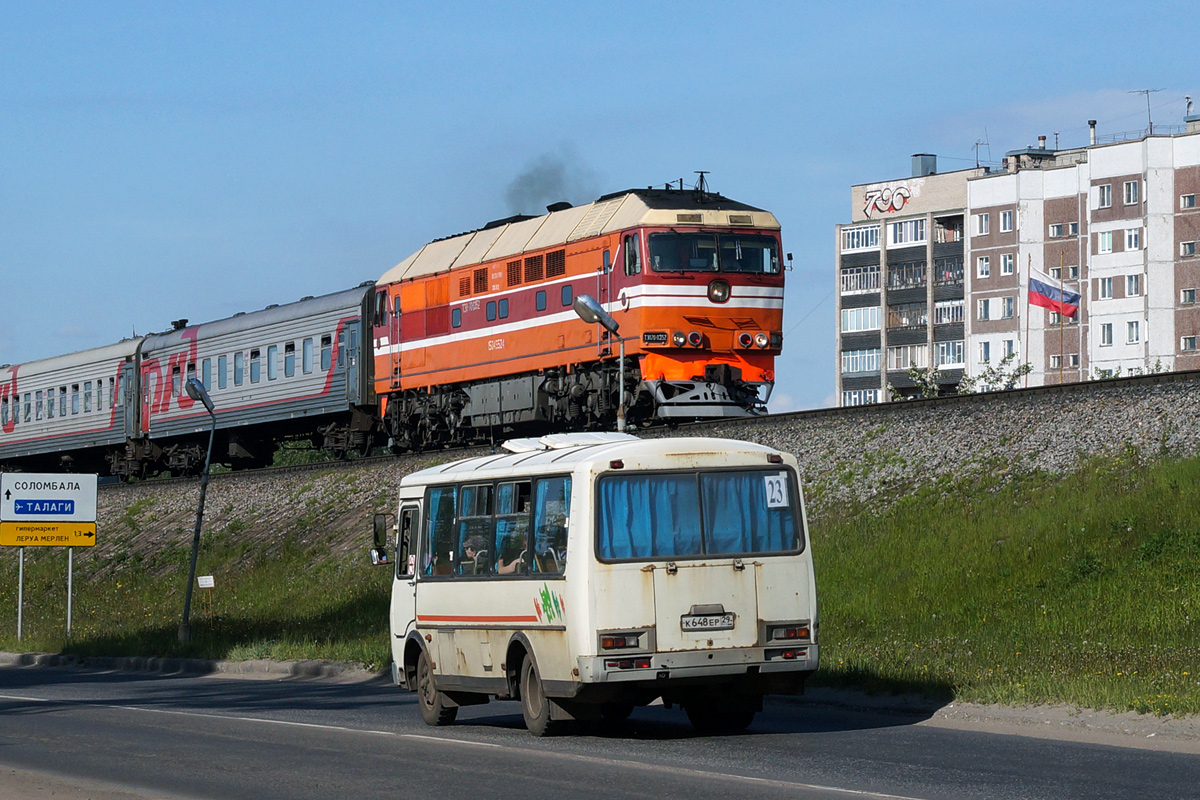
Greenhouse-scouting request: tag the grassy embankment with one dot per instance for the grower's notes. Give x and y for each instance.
(1081, 589)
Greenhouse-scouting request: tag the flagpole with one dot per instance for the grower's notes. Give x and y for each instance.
(1028, 278)
(1061, 316)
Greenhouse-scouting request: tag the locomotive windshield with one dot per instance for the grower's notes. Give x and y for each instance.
(710, 252)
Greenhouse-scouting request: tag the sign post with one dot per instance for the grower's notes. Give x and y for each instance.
(47, 510)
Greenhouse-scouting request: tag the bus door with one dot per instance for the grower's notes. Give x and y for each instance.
(404, 589)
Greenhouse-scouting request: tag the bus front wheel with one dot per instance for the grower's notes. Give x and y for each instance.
(432, 702)
(535, 707)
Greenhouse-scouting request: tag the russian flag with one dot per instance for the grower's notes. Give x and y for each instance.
(1044, 291)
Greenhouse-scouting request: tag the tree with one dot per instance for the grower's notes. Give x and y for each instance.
(995, 377)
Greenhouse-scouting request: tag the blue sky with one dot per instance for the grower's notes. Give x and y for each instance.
(160, 161)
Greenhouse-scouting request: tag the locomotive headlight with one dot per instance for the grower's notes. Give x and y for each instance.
(718, 291)
(761, 339)
(745, 339)
(695, 339)
(678, 339)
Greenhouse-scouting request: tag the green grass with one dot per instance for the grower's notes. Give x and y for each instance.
(1082, 590)
(1006, 587)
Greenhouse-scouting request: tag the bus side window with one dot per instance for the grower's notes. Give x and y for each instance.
(474, 529)
(551, 516)
(511, 544)
(404, 542)
(437, 551)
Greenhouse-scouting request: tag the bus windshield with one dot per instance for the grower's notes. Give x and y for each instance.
(691, 514)
(709, 252)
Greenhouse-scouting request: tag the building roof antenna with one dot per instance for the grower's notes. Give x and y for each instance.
(1146, 92)
(701, 186)
(984, 143)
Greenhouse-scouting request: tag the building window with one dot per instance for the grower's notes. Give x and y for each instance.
(1187, 201)
(1056, 319)
(861, 360)
(1006, 307)
(947, 312)
(1009, 347)
(1056, 362)
(860, 319)
(1073, 359)
(1133, 238)
(1073, 229)
(907, 357)
(1104, 196)
(1106, 288)
(860, 397)
(1006, 264)
(1106, 334)
(1187, 343)
(1187, 297)
(909, 231)
(949, 354)
(1073, 272)
(1056, 273)
(1131, 193)
(1006, 221)
(1133, 333)
(1056, 231)
(855, 280)
(985, 352)
(906, 275)
(908, 315)
(1133, 285)
(984, 265)
(985, 309)
(983, 224)
(1187, 249)
(948, 271)
(860, 237)
(1104, 241)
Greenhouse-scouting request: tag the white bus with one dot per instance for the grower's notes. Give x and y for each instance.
(585, 574)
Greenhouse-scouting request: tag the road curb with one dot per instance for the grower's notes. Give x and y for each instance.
(189, 666)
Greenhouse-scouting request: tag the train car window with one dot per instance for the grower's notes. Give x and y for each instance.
(175, 381)
(491, 310)
(566, 295)
(74, 398)
(306, 356)
(239, 368)
(87, 396)
(540, 300)
(50, 403)
(341, 349)
(206, 373)
(112, 393)
(191, 373)
(272, 362)
(100, 394)
(28, 408)
(222, 368)
(326, 352)
(633, 254)
(504, 308)
(3, 410)
(289, 359)
(62, 401)
(255, 366)
(456, 318)
(39, 405)
(683, 252)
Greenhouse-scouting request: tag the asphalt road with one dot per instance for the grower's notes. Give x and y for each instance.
(207, 737)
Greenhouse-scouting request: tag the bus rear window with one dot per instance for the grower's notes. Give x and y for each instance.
(681, 515)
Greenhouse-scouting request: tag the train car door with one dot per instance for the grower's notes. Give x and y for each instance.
(127, 398)
(353, 390)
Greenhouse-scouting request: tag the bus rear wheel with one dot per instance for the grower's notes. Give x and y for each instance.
(434, 709)
(535, 707)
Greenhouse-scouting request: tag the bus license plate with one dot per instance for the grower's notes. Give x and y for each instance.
(707, 622)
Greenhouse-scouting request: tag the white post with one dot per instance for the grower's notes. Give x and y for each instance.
(70, 579)
(20, 589)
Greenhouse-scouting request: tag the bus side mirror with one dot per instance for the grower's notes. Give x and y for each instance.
(379, 553)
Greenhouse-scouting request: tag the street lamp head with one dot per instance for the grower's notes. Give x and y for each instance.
(590, 311)
(196, 391)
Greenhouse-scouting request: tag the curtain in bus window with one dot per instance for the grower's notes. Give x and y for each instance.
(648, 516)
(551, 512)
(437, 551)
(739, 517)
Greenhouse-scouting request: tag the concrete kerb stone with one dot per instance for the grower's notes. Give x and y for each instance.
(189, 666)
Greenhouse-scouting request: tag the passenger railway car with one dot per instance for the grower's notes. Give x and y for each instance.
(476, 332)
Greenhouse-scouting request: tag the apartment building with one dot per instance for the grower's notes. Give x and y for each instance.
(933, 269)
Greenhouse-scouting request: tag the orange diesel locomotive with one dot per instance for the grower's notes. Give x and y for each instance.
(475, 334)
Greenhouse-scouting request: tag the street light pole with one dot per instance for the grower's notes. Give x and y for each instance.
(196, 391)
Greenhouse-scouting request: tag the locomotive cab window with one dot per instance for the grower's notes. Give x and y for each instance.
(381, 308)
(706, 252)
(633, 254)
(749, 253)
